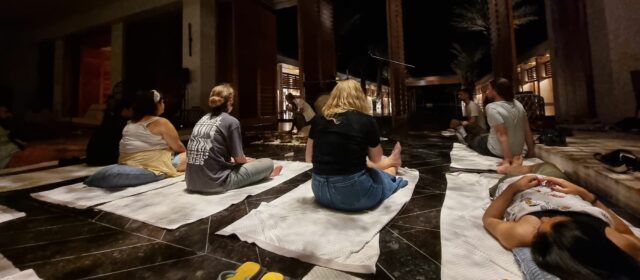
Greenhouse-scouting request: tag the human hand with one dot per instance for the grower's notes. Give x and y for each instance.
(564, 186)
(250, 159)
(525, 183)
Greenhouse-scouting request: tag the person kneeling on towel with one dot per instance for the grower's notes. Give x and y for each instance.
(571, 234)
(339, 143)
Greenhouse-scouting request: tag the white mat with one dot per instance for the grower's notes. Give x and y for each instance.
(82, 196)
(468, 250)
(8, 214)
(294, 225)
(29, 167)
(323, 273)
(172, 206)
(45, 177)
(8, 271)
(465, 158)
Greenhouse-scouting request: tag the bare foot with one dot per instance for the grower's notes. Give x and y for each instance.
(276, 171)
(395, 158)
(503, 167)
(517, 161)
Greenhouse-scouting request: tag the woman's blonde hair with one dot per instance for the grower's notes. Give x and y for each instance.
(346, 96)
(220, 94)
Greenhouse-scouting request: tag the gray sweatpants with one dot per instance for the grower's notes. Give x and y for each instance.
(243, 175)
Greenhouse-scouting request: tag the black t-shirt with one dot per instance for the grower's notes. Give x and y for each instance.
(341, 148)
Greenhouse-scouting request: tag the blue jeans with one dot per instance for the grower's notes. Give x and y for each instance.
(122, 176)
(356, 192)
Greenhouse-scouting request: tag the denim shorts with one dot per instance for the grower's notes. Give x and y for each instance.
(356, 192)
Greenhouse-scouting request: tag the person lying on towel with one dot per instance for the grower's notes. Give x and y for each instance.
(570, 232)
(146, 149)
(340, 140)
(509, 126)
(216, 162)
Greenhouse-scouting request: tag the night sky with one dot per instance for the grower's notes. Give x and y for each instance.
(360, 26)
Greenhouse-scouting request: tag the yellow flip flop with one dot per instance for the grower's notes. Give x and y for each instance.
(272, 276)
(246, 271)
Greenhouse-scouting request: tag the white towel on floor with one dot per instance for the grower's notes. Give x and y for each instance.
(29, 167)
(323, 273)
(9, 272)
(172, 206)
(82, 196)
(45, 177)
(294, 225)
(23, 275)
(468, 250)
(465, 158)
(8, 214)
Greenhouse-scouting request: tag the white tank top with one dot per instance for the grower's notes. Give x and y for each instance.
(542, 198)
(136, 137)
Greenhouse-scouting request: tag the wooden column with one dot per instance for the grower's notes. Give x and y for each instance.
(503, 46)
(316, 45)
(573, 84)
(246, 55)
(397, 72)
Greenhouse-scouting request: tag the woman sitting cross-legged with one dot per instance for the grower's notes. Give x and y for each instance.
(338, 146)
(570, 232)
(216, 162)
(147, 147)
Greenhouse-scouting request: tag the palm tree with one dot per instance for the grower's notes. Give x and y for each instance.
(473, 16)
(466, 64)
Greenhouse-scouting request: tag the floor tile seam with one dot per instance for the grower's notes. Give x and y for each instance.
(86, 254)
(414, 247)
(221, 258)
(148, 237)
(385, 271)
(415, 228)
(425, 194)
(143, 266)
(41, 228)
(59, 240)
(206, 244)
(420, 212)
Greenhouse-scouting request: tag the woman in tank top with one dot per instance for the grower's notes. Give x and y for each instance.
(150, 148)
(149, 141)
(570, 232)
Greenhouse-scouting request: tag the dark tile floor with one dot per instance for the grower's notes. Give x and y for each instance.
(63, 243)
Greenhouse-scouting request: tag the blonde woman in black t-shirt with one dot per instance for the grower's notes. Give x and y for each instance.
(340, 141)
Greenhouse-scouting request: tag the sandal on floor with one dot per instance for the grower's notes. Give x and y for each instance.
(246, 271)
(272, 276)
(619, 161)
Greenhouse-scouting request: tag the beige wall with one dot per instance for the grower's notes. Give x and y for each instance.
(614, 31)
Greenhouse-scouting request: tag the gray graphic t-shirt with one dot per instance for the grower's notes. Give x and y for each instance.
(214, 141)
(513, 116)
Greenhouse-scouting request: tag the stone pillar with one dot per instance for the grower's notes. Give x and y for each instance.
(117, 52)
(58, 77)
(571, 60)
(503, 46)
(316, 43)
(198, 50)
(397, 72)
(613, 28)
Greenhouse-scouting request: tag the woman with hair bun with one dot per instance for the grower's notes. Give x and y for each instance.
(215, 161)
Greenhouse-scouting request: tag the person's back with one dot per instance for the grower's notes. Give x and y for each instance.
(214, 141)
(473, 110)
(513, 116)
(340, 147)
